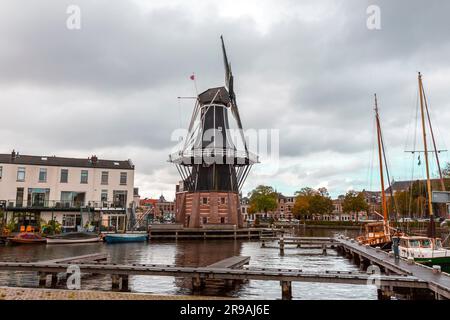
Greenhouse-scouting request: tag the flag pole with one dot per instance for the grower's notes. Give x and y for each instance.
(194, 78)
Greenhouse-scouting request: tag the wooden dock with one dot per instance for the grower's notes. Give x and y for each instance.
(395, 276)
(235, 262)
(120, 274)
(438, 282)
(364, 256)
(202, 234)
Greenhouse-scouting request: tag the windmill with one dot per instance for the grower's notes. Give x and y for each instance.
(214, 160)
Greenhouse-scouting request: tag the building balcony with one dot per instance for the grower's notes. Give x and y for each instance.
(61, 205)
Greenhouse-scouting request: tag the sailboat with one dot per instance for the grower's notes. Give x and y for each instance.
(378, 234)
(126, 236)
(427, 250)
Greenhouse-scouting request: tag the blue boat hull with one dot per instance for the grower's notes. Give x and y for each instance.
(123, 238)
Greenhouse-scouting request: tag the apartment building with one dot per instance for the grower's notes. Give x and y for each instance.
(72, 191)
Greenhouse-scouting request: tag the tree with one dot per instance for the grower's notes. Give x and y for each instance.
(446, 171)
(320, 204)
(354, 202)
(310, 201)
(301, 206)
(306, 191)
(263, 199)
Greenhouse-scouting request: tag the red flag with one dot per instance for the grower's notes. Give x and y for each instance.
(192, 77)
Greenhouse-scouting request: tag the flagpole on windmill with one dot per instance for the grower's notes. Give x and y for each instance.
(194, 78)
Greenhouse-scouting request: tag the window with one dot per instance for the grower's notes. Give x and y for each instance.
(205, 220)
(123, 178)
(42, 175)
(205, 200)
(222, 201)
(105, 177)
(104, 196)
(222, 220)
(19, 197)
(84, 176)
(21, 174)
(64, 175)
(120, 198)
(1, 172)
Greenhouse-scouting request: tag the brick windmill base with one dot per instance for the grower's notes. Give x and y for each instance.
(208, 209)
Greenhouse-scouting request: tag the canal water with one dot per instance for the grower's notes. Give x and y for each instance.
(198, 253)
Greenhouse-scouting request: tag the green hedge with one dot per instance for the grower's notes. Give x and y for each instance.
(332, 223)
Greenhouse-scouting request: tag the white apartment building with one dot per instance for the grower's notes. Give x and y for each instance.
(72, 191)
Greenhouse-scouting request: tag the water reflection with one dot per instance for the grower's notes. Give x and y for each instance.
(197, 253)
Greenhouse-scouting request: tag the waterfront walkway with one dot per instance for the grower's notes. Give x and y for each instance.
(9, 293)
(438, 282)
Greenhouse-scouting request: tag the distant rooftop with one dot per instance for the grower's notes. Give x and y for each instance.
(92, 162)
(405, 184)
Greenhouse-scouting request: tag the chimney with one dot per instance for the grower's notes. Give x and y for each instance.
(94, 160)
(13, 155)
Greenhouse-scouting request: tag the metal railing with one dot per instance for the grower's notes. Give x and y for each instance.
(61, 204)
(201, 153)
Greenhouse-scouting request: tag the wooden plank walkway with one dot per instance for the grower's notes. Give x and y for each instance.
(217, 273)
(93, 257)
(235, 262)
(437, 282)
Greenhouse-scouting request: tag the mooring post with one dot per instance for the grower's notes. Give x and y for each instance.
(124, 283)
(324, 249)
(197, 283)
(42, 279)
(54, 280)
(384, 294)
(281, 246)
(115, 282)
(362, 263)
(229, 283)
(286, 290)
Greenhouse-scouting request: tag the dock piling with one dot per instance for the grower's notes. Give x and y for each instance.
(286, 290)
(42, 279)
(281, 246)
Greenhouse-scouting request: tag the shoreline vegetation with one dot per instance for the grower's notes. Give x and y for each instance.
(357, 225)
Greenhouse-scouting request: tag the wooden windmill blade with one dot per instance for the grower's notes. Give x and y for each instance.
(229, 80)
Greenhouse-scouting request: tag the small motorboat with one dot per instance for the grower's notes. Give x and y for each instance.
(73, 237)
(27, 238)
(125, 237)
(425, 250)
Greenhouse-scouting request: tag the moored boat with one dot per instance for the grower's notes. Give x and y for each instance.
(378, 234)
(27, 238)
(73, 237)
(125, 237)
(425, 250)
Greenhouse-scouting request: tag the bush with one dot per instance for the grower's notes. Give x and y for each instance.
(51, 227)
(332, 223)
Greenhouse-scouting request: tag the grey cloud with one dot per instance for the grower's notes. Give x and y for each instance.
(113, 84)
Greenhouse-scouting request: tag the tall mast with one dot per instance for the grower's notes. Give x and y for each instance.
(380, 156)
(430, 209)
(436, 151)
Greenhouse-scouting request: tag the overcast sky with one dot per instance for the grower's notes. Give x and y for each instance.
(306, 68)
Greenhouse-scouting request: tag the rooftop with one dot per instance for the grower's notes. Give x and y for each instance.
(92, 162)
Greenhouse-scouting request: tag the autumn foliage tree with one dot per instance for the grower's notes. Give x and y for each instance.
(354, 202)
(262, 199)
(309, 201)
